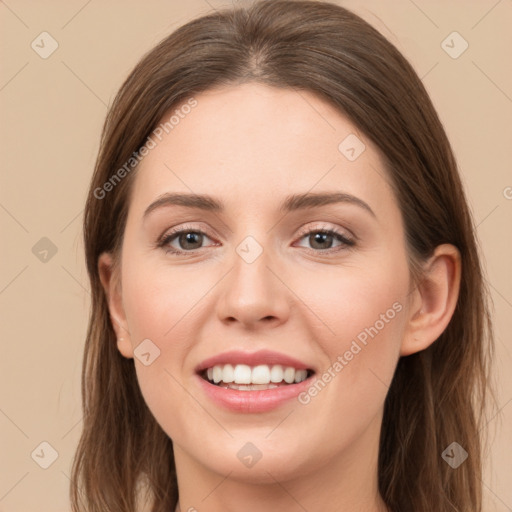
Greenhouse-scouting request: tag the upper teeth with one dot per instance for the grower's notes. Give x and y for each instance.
(261, 374)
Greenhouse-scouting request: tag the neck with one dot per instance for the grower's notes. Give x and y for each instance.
(380, 506)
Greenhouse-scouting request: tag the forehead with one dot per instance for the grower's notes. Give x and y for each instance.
(256, 142)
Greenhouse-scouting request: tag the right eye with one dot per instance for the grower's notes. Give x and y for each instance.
(185, 236)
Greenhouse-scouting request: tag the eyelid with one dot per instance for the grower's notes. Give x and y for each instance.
(320, 225)
(324, 226)
(349, 240)
(172, 232)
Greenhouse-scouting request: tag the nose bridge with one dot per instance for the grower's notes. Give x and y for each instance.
(252, 291)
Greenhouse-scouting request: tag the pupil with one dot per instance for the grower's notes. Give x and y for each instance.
(189, 238)
(322, 236)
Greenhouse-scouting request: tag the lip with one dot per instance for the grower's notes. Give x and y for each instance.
(252, 401)
(268, 357)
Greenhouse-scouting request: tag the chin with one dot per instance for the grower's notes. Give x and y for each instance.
(257, 462)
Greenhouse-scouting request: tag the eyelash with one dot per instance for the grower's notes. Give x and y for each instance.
(167, 238)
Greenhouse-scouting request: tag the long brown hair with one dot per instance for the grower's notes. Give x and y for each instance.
(438, 395)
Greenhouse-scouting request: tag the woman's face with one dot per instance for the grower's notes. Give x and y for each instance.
(256, 275)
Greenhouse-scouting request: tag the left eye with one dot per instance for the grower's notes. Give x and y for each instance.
(191, 240)
(321, 236)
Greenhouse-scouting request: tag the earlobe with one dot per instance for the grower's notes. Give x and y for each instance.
(434, 300)
(112, 287)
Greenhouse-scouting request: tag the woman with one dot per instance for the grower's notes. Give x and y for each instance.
(324, 343)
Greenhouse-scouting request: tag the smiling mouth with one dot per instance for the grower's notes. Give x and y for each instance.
(243, 377)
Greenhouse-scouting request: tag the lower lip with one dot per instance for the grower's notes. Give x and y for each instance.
(253, 401)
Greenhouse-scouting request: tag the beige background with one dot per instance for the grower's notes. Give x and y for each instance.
(52, 113)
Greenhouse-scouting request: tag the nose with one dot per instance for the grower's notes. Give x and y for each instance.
(254, 294)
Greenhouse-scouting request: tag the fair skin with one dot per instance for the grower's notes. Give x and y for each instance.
(250, 146)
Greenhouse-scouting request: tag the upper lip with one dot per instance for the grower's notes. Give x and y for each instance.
(267, 357)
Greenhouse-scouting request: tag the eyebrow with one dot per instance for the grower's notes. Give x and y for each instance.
(291, 203)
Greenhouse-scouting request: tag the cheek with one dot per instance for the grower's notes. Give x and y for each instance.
(161, 305)
(361, 300)
(363, 313)
(158, 299)
(339, 304)
(353, 315)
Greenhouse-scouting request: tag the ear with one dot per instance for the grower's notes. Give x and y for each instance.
(433, 302)
(111, 283)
